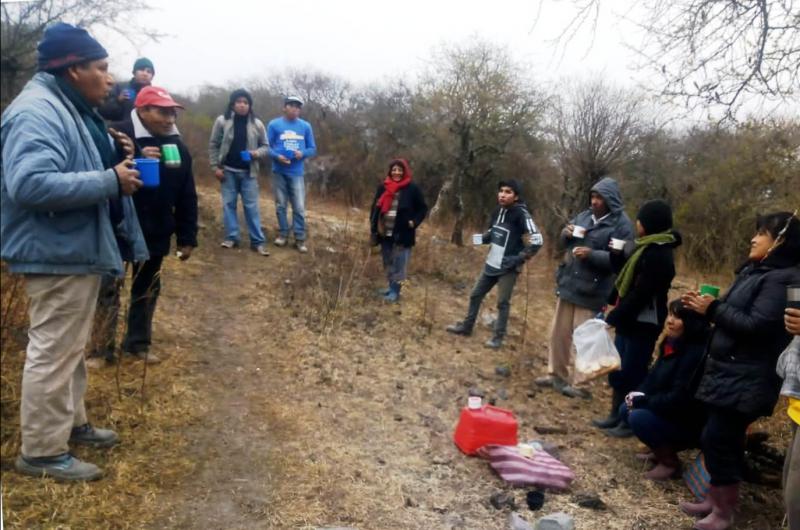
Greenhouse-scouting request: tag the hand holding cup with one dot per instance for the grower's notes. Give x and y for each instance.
(151, 152)
(128, 177)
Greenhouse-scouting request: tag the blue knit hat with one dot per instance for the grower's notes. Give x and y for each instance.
(64, 45)
(142, 63)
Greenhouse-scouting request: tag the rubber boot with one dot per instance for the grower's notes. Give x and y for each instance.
(613, 417)
(667, 464)
(724, 500)
(697, 509)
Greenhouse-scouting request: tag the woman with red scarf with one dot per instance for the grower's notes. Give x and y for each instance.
(397, 210)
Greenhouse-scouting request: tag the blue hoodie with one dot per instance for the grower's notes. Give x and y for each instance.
(285, 137)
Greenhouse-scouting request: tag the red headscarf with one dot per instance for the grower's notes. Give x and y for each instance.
(390, 187)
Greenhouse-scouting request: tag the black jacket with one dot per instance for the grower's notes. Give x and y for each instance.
(643, 310)
(411, 206)
(115, 110)
(747, 339)
(513, 238)
(668, 387)
(170, 208)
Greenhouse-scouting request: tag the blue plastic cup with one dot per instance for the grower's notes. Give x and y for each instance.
(246, 156)
(148, 171)
(130, 93)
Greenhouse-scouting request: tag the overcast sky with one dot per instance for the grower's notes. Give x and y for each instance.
(235, 40)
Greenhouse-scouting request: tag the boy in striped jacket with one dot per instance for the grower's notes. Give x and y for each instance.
(513, 239)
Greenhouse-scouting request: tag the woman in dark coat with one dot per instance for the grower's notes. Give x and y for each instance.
(739, 383)
(645, 272)
(663, 412)
(397, 210)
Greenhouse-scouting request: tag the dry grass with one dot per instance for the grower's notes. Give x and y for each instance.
(357, 401)
(149, 460)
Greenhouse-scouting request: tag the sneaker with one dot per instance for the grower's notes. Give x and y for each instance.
(301, 247)
(261, 249)
(63, 468)
(550, 381)
(494, 343)
(149, 358)
(229, 243)
(574, 392)
(383, 291)
(459, 328)
(88, 435)
(280, 241)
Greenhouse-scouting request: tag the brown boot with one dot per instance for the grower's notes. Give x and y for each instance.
(667, 464)
(697, 509)
(724, 500)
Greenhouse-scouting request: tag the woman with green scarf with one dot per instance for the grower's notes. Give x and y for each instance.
(644, 273)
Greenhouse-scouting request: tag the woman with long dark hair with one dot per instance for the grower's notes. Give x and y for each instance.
(739, 383)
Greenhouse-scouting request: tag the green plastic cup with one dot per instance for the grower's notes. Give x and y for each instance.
(713, 290)
(170, 155)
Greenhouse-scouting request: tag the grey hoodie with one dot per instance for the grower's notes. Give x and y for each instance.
(587, 283)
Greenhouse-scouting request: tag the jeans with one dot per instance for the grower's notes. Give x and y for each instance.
(236, 183)
(655, 431)
(635, 353)
(144, 295)
(395, 260)
(505, 287)
(288, 189)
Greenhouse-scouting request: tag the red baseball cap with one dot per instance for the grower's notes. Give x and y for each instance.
(156, 97)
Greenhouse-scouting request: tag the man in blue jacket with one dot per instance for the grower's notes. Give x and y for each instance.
(291, 142)
(66, 214)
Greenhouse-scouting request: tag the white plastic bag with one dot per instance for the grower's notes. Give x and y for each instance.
(596, 353)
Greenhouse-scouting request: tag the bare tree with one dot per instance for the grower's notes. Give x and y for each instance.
(476, 102)
(23, 24)
(713, 52)
(594, 128)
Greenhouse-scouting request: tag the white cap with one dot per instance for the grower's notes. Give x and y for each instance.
(474, 402)
(293, 99)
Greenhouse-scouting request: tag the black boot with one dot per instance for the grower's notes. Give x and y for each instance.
(613, 417)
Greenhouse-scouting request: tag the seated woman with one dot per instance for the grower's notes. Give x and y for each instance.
(663, 413)
(739, 383)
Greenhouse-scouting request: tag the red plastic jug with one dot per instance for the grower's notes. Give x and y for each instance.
(483, 426)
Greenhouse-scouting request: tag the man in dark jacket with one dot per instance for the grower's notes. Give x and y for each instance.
(170, 208)
(514, 239)
(120, 101)
(585, 278)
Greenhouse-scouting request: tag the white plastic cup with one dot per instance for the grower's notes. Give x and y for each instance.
(477, 239)
(578, 232)
(474, 402)
(617, 244)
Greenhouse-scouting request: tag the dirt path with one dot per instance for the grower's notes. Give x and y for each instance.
(325, 410)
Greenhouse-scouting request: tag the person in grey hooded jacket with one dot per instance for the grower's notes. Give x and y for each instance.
(66, 214)
(585, 278)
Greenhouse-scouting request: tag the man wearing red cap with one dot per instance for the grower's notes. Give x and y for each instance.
(169, 208)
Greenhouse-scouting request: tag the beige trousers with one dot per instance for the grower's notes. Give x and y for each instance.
(561, 356)
(54, 377)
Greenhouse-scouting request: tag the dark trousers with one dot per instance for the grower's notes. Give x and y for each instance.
(635, 353)
(505, 288)
(656, 431)
(104, 331)
(145, 289)
(723, 443)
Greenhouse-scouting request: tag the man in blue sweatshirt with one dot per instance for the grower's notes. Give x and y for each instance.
(291, 141)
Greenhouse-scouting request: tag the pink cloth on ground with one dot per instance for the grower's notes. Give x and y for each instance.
(541, 470)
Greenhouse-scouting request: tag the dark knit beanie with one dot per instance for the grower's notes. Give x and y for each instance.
(236, 94)
(515, 186)
(142, 63)
(655, 216)
(64, 45)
